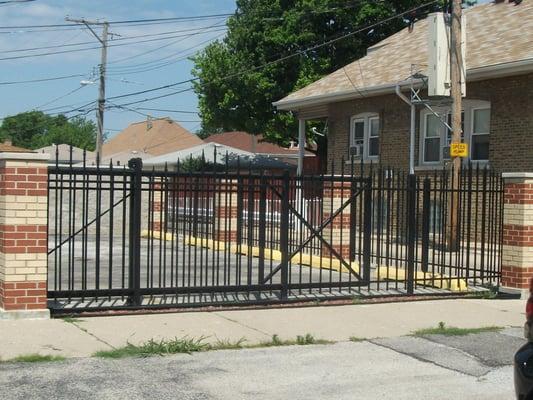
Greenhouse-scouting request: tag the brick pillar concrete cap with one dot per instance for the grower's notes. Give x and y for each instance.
(25, 156)
(517, 175)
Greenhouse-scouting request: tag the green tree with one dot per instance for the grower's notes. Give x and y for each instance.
(35, 129)
(265, 30)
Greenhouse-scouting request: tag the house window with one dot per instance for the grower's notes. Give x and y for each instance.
(435, 137)
(432, 139)
(480, 134)
(365, 132)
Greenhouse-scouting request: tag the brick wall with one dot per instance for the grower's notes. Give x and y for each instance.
(23, 226)
(511, 136)
(517, 257)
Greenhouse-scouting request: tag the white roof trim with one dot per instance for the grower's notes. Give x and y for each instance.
(473, 74)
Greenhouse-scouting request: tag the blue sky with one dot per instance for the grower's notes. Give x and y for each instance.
(23, 97)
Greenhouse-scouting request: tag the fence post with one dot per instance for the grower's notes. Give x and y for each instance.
(284, 236)
(425, 224)
(367, 228)
(517, 249)
(262, 227)
(411, 231)
(135, 164)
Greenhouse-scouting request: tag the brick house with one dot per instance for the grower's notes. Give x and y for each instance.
(363, 110)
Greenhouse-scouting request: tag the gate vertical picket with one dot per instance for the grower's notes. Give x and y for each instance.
(284, 236)
(367, 228)
(411, 232)
(425, 224)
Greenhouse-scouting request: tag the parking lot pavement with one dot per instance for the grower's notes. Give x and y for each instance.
(461, 367)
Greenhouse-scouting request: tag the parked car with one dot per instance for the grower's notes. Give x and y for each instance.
(523, 360)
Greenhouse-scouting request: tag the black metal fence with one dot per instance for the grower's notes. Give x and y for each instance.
(139, 237)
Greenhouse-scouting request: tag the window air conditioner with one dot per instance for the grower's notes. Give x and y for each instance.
(356, 150)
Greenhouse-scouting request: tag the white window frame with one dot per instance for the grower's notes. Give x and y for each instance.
(365, 118)
(423, 142)
(472, 133)
(469, 106)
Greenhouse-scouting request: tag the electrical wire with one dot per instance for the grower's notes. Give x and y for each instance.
(218, 24)
(273, 62)
(122, 22)
(140, 69)
(98, 47)
(61, 97)
(203, 29)
(55, 78)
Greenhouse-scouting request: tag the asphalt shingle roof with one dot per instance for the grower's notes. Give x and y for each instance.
(497, 33)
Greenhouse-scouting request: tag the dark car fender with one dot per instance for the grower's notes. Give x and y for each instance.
(523, 372)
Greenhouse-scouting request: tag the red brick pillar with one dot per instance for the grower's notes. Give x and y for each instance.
(23, 234)
(337, 233)
(226, 211)
(517, 256)
(157, 207)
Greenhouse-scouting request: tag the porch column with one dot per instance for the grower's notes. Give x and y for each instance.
(23, 235)
(301, 146)
(517, 253)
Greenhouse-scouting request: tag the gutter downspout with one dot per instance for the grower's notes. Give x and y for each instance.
(412, 129)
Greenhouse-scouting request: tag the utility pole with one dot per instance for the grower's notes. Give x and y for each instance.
(101, 91)
(456, 62)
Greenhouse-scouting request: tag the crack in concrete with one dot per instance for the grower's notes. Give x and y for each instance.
(269, 335)
(84, 330)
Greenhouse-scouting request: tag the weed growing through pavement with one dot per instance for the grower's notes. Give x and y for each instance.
(191, 345)
(442, 329)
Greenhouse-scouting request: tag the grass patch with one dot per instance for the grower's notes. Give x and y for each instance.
(35, 358)
(442, 329)
(153, 347)
(191, 345)
(356, 339)
(299, 341)
(225, 344)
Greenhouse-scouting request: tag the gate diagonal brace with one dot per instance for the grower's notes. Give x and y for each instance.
(87, 225)
(316, 233)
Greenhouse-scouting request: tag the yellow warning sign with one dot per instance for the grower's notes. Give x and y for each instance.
(459, 150)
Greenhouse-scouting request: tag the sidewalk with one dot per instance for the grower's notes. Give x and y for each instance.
(82, 337)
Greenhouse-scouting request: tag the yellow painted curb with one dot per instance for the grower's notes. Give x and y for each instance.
(434, 280)
(157, 235)
(312, 261)
(206, 243)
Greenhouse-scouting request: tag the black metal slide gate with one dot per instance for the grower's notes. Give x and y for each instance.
(128, 237)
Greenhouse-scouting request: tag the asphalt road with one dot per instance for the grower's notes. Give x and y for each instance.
(436, 367)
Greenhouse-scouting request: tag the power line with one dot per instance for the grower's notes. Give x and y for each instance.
(273, 62)
(166, 110)
(61, 97)
(144, 114)
(15, 1)
(96, 47)
(56, 78)
(138, 68)
(165, 45)
(203, 29)
(135, 21)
